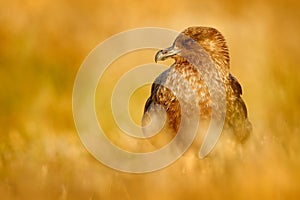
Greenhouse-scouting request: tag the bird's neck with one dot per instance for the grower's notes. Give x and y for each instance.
(205, 62)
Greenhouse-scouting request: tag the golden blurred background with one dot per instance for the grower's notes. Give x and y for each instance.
(43, 44)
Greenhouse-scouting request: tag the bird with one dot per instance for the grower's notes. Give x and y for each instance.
(185, 83)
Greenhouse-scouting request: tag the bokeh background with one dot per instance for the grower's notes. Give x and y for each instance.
(42, 45)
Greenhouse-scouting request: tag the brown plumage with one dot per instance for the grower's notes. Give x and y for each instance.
(194, 50)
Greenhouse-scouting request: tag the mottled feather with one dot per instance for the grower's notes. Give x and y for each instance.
(193, 51)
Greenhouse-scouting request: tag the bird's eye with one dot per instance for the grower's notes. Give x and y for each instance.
(188, 41)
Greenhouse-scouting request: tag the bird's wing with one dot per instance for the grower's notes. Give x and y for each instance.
(237, 115)
(161, 101)
(158, 85)
(154, 89)
(236, 86)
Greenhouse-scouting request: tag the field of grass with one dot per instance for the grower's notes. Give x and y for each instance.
(42, 45)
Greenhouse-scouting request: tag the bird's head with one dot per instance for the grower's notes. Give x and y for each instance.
(192, 41)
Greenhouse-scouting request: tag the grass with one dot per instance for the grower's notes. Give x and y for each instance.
(42, 47)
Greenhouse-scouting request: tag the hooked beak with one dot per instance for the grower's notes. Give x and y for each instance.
(166, 53)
